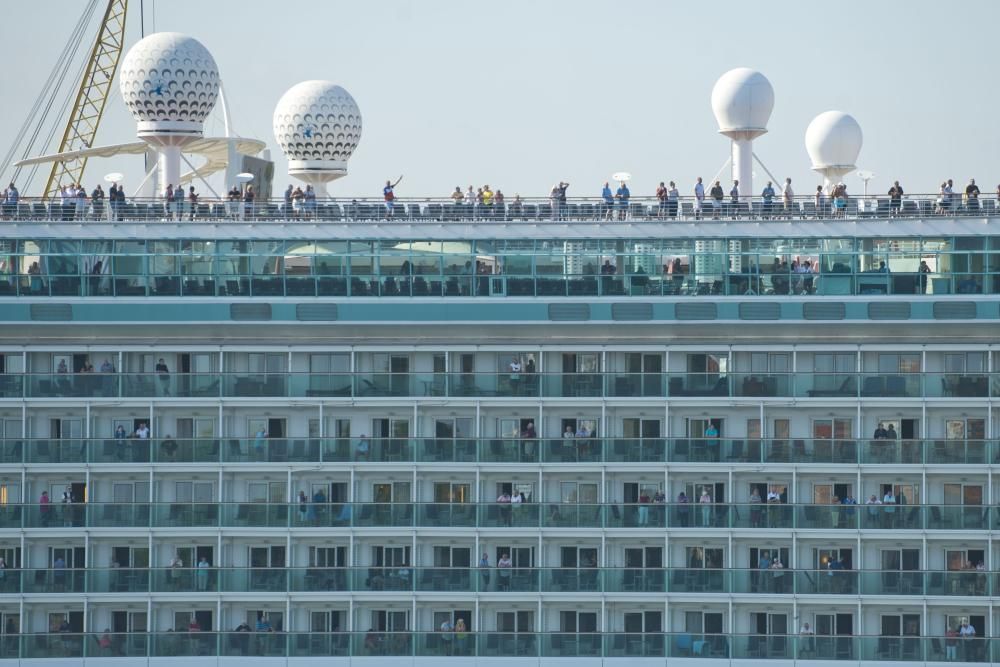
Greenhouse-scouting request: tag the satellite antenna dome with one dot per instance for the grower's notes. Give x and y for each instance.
(319, 123)
(318, 126)
(833, 141)
(170, 83)
(742, 101)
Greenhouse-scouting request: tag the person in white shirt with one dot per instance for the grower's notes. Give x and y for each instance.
(673, 199)
(788, 196)
(699, 198)
(967, 631)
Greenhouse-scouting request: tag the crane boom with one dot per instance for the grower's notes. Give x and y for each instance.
(81, 128)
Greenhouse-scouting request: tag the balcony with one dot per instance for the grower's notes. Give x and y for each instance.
(591, 450)
(612, 384)
(461, 646)
(582, 516)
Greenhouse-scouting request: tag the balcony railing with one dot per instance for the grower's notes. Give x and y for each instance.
(887, 517)
(461, 646)
(494, 579)
(497, 450)
(611, 384)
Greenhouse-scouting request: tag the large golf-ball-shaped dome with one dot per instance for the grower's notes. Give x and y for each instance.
(742, 100)
(833, 139)
(169, 78)
(317, 122)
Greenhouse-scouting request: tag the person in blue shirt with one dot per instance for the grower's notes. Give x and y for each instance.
(609, 201)
(768, 196)
(390, 196)
(622, 194)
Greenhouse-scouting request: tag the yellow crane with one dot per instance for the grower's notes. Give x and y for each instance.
(91, 98)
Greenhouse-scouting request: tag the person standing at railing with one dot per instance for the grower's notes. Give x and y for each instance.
(699, 198)
(716, 193)
(972, 196)
(767, 200)
(97, 202)
(788, 197)
(622, 195)
(820, 201)
(168, 201)
(163, 373)
(192, 202)
(178, 208)
(233, 202)
(895, 199)
(248, 202)
(661, 197)
(389, 195)
(608, 202)
(10, 199)
(310, 201)
(734, 199)
(80, 197)
(673, 200)
(287, 206)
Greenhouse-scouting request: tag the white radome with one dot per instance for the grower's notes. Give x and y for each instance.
(833, 140)
(170, 83)
(742, 101)
(318, 126)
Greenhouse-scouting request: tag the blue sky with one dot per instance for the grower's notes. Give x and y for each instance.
(521, 94)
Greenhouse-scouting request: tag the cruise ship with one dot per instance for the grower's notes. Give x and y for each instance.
(507, 434)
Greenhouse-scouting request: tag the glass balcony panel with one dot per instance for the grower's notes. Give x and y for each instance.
(509, 515)
(452, 579)
(698, 580)
(826, 582)
(899, 385)
(320, 385)
(571, 450)
(186, 515)
(956, 385)
(312, 644)
(439, 644)
(252, 580)
(838, 517)
(700, 515)
(634, 645)
(635, 385)
(55, 645)
(635, 580)
(975, 452)
(894, 649)
(451, 450)
(570, 580)
(118, 580)
(182, 385)
(763, 385)
(510, 450)
(570, 515)
(255, 515)
(72, 385)
(447, 515)
(58, 580)
(644, 515)
(891, 517)
(116, 644)
(66, 450)
(53, 515)
(376, 643)
(635, 450)
(320, 579)
(567, 644)
(572, 385)
(826, 385)
(691, 645)
(909, 452)
(111, 515)
(956, 517)
(183, 644)
(256, 644)
(383, 515)
(762, 515)
(11, 516)
(186, 580)
(698, 384)
(11, 386)
(246, 385)
(763, 647)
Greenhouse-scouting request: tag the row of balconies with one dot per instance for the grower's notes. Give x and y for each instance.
(500, 385)
(500, 450)
(499, 515)
(463, 646)
(406, 579)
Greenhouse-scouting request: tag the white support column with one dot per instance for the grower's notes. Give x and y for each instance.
(742, 151)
